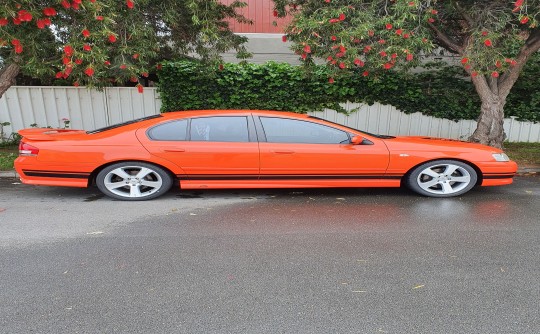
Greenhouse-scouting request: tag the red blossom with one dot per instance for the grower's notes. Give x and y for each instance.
(399, 32)
(394, 55)
(333, 21)
(342, 65)
(123, 66)
(358, 62)
(49, 11)
(133, 79)
(431, 20)
(495, 74)
(140, 88)
(76, 84)
(342, 49)
(112, 38)
(388, 26)
(284, 38)
(87, 47)
(464, 60)
(334, 38)
(275, 13)
(303, 56)
(341, 17)
(382, 41)
(99, 18)
(409, 57)
(307, 49)
(524, 20)
(340, 54)
(145, 74)
(40, 24)
(367, 49)
(498, 64)
(89, 71)
(136, 56)
(371, 33)
(15, 42)
(331, 80)
(434, 12)
(406, 36)
(24, 16)
(365, 74)
(130, 4)
(78, 61)
(411, 3)
(484, 33)
(487, 42)
(68, 50)
(518, 3)
(329, 58)
(388, 66)
(383, 54)
(474, 74)
(59, 75)
(3, 21)
(65, 4)
(86, 33)
(18, 48)
(107, 63)
(16, 21)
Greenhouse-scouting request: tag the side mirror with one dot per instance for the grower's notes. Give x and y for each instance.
(357, 140)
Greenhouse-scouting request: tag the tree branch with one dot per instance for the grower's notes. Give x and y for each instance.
(509, 78)
(445, 39)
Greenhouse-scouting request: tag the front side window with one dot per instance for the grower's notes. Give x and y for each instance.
(283, 130)
(171, 131)
(220, 129)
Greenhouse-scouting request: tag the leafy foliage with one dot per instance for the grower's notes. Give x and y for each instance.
(380, 35)
(439, 91)
(98, 42)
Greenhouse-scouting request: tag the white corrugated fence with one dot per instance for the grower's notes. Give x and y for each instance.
(91, 109)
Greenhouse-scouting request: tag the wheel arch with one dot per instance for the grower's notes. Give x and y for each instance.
(478, 171)
(95, 172)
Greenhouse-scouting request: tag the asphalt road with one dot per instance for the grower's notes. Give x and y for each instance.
(270, 261)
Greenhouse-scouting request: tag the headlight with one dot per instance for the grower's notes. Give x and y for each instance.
(500, 157)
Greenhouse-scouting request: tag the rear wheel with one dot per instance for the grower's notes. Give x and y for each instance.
(133, 181)
(442, 178)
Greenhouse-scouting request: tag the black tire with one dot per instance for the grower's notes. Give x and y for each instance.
(133, 181)
(442, 178)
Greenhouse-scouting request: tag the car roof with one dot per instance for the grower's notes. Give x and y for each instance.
(192, 113)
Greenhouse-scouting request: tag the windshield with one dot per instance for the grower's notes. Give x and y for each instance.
(114, 126)
(348, 127)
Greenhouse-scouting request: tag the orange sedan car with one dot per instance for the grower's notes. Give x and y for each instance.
(211, 149)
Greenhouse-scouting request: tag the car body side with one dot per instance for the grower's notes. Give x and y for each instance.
(73, 158)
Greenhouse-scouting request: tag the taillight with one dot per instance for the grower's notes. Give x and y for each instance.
(27, 150)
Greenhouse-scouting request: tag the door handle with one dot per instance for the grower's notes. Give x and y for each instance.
(284, 152)
(175, 150)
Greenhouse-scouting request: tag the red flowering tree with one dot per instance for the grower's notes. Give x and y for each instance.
(493, 39)
(97, 42)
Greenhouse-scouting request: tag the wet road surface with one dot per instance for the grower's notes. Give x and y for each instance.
(270, 261)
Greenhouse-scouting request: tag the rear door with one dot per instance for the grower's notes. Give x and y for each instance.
(209, 148)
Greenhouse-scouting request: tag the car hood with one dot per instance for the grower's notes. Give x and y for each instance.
(430, 143)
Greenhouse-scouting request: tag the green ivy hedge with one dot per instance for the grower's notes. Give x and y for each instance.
(439, 91)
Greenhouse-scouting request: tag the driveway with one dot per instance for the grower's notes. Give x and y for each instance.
(270, 261)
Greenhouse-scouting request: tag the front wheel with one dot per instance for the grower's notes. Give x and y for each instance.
(442, 178)
(133, 181)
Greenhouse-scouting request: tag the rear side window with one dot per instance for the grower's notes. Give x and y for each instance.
(220, 129)
(170, 131)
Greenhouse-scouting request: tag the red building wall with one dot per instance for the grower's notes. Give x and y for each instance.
(262, 14)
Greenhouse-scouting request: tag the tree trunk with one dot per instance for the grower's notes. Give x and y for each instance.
(489, 130)
(7, 77)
